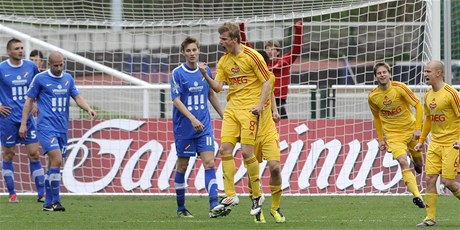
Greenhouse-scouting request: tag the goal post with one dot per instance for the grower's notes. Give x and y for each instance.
(328, 143)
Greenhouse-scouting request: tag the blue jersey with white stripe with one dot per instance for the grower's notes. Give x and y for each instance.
(14, 83)
(192, 88)
(53, 99)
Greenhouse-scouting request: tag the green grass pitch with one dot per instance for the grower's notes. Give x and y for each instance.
(159, 212)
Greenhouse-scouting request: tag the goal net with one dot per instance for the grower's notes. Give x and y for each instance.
(121, 53)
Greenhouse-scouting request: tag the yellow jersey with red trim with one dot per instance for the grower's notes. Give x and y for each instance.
(244, 73)
(443, 109)
(392, 106)
(266, 124)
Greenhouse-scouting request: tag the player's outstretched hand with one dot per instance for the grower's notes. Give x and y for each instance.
(418, 146)
(457, 144)
(92, 113)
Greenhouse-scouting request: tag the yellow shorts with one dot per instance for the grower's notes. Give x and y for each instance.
(398, 143)
(239, 125)
(442, 160)
(267, 147)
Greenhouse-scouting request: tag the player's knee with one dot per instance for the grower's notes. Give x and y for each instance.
(34, 155)
(403, 162)
(225, 149)
(275, 172)
(181, 168)
(208, 163)
(8, 154)
(449, 183)
(207, 160)
(275, 169)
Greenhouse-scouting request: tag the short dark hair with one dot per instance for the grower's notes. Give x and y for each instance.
(11, 42)
(187, 41)
(34, 53)
(264, 55)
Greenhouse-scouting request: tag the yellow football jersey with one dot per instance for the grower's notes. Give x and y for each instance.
(392, 106)
(266, 124)
(244, 74)
(443, 109)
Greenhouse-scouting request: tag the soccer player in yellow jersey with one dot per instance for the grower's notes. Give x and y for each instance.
(267, 148)
(442, 118)
(245, 72)
(397, 128)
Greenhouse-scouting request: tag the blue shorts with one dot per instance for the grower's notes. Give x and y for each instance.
(190, 147)
(9, 133)
(52, 140)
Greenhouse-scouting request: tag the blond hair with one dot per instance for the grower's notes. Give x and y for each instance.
(233, 30)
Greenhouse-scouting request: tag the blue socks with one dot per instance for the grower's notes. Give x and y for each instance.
(48, 195)
(38, 176)
(211, 186)
(54, 179)
(8, 176)
(179, 184)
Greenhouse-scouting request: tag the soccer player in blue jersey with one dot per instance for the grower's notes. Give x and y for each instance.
(37, 57)
(53, 89)
(16, 74)
(193, 132)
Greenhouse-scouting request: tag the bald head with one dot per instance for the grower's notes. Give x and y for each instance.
(55, 56)
(56, 63)
(436, 65)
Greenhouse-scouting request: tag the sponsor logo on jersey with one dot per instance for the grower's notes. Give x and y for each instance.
(196, 87)
(387, 101)
(433, 104)
(235, 70)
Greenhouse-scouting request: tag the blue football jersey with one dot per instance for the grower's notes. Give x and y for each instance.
(14, 83)
(53, 99)
(193, 90)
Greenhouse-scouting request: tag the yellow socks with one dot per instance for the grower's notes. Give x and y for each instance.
(229, 169)
(431, 200)
(253, 171)
(457, 194)
(411, 182)
(276, 196)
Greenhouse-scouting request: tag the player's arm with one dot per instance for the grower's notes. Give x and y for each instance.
(263, 74)
(212, 97)
(263, 98)
(418, 121)
(197, 125)
(83, 104)
(217, 86)
(425, 131)
(378, 125)
(25, 116)
(244, 40)
(275, 115)
(377, 120)
(292, 56)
